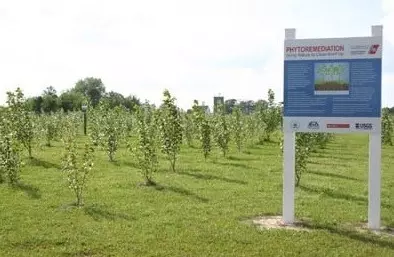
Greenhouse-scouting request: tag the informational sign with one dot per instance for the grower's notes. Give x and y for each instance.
(333, 85)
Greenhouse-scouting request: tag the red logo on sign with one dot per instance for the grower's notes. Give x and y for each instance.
(338, 125)
(373, 49)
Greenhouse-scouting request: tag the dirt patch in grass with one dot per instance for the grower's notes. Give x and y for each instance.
(383, 231)
(276, 222)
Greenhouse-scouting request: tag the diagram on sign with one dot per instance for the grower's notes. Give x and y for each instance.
(331, 78)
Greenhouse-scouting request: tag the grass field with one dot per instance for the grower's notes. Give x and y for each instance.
(198, 211)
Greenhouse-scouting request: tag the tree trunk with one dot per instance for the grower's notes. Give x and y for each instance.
(30, 154)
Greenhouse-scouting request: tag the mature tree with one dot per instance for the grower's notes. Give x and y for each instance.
(247, 107)
(391, 110)
(132, 102)
(93, 88)
(230, 105)
(71, 100)
(50, 100)
(261, 104)
(34, 104)
(114, 99)
(51, 91)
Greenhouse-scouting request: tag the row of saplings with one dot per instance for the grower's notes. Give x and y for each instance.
(153, 128)
(307, 143)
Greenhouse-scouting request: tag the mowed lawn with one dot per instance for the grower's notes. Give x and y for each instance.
(201, 210)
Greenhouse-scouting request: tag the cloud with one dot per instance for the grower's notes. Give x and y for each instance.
(196, 49)
(138, 47)
(388, 21)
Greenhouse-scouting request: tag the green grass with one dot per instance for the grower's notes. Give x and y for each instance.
(198, 211)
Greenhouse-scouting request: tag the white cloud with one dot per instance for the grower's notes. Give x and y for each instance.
(142, 47)
(387, 90)
(137, 47)
(388, 21)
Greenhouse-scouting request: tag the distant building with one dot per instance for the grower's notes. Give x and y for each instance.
(217, 101)
(205, 107)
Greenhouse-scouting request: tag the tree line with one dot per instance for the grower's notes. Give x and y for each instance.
(89, 91)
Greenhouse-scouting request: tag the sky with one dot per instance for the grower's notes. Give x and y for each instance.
(196, 49)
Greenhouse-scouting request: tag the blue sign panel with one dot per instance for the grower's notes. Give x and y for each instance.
(332, 88)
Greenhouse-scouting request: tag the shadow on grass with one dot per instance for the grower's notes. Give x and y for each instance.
(352, 234)
(325, 161)
(41, 163)
(237, 158)
(32, 191)
(231, 164)
(340, 157)
(332, 175)
(83, 253)
(193, 146)
(338, 195)
(33, 243)
(115, 163)
(212, 177)
(255, 147)
(101, 212)
(345, 148)
(334, 194)
(131, 164)
(180, 191)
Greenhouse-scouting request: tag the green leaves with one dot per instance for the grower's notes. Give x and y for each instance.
(387, 128)
(94, 125)
(76, 167)
(188, 128)
(238, 127)
(302, 153)
(107, 126)
(112, 129)
(146, 149)
(306, 143)
(16, 130)
(221, 130)
(49, 127)
(10, 161)
(20, 119)
(171, 130)
(270, 117)
(204, 128)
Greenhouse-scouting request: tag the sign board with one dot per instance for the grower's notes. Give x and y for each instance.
(333, 85)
